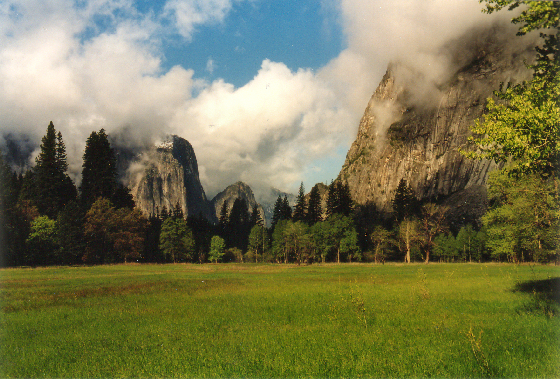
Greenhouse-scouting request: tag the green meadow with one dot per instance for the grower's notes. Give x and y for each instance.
(285, 321)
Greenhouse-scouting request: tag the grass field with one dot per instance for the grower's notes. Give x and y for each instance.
(359, 320)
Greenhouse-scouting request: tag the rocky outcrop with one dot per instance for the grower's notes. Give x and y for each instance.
(235, 191)
(167, 175)
(403, 135)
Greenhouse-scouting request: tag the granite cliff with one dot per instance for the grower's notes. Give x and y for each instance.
(416, 135)
(166, 175)
(235, 191)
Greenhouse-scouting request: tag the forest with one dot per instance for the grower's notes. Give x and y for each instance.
(46, 220)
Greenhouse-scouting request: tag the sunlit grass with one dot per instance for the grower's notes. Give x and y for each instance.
(448, 320)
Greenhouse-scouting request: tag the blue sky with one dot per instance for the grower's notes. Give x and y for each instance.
(267, 92)
(301, 34)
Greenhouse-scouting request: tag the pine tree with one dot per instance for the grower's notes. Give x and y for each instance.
(339, 200)
(99, 171)
(178, 211)
(238, 225)
(256, 218)
(404, 203)
(286, 209)
(224, 216)
(314, 209)
(331, 199)
(277, 212)
(300, 208)
(52, 187)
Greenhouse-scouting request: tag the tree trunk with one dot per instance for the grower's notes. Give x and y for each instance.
(338, 256)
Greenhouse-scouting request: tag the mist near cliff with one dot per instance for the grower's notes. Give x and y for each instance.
(280, 128)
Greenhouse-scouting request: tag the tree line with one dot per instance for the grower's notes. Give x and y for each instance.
(47, 220)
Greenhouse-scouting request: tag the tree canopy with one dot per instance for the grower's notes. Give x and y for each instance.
(522, 124)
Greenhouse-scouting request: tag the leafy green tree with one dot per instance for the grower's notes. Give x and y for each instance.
(97, 232)
(128, 235)
(324, 244)
(300, 208)
(42, 241)
(524, 218)
(279, 244)
(409, 237)
(298, 241)
(336, 234)
(381, 239)
(522, 124)
(432, 222)
(113, 235)
(217, 249)
(466, 242)
(445, 247)
(314, 208)
(349, 245)
(176, 240)
(259, 242)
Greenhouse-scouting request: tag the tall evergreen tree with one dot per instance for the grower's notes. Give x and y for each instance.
(286, 209)
(314, 209)
(52, 187)
(277, 212)
(238, 225)
(256, 218)
(99, 170)
(339, 200)
(405, 203)
(300, 208)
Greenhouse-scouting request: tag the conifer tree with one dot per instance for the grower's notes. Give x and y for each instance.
(404, 203)
(277, 212)
(314, 209)
(286, 209)
(256, 218)
(99, 173)
(52, 187)
(300, 208)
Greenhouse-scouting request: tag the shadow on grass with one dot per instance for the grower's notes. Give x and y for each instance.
(546, 296)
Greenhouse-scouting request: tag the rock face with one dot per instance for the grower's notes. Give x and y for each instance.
(403, 135)
(235, 191)
(169, 176)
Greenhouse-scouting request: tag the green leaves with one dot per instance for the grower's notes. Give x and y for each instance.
(523, 121)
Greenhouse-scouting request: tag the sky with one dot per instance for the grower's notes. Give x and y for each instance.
(269, 92)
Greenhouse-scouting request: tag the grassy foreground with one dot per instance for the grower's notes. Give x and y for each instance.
(437, 320)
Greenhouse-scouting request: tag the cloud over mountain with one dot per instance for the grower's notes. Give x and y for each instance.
(98, 64)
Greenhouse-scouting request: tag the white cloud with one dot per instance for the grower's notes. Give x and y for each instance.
(187, 14)
(57, 64)
(210, 66)
(266, 130)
